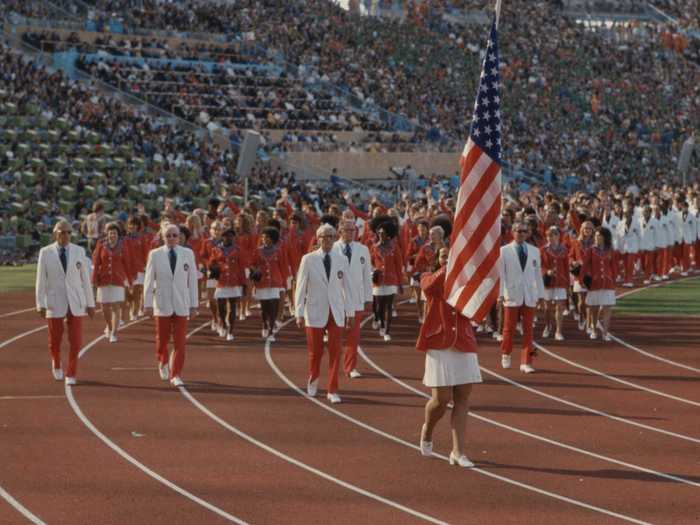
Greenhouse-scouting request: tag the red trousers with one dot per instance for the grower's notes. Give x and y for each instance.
(352, 339)
(314, 344)
(629, 261)
(176, 326)
(649, 264)
(685, 260)
(662, 261)
(527, 316)
(75, 340)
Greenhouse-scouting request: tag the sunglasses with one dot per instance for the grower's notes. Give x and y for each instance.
(171, 235)
(522, 231)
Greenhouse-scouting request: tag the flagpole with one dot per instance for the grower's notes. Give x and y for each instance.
(498, 12)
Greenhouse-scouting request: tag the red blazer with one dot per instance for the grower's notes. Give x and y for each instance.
(601, 265)
(413, 248)
(272, 264)
(112, 267)
(443, 327)
(207, 250)
(408, 233)
(138, 245)
(196, 246)
(556, 261)
(232, 263)
(388, 260)
(425, 260)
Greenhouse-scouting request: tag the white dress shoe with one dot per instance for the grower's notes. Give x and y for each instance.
(71, 381)
(628, 285)
(106, 332)
(527, 369)
(607, 338)
(462, 461)
(265, 333)
(496, 335)
(505, 361)
(57, 373)
(312, 387)
(375, 325)
(214, 328)
(545, 332)
(558, 337)
(354, 374)
(333, 398)
(113, 338)
(499, 337)
(387, 337)
(272, 338)
(426, 447)
(394, 313)
(229, 336)
(164, 371)
(647, 281)
(176, 381)
(593, 334)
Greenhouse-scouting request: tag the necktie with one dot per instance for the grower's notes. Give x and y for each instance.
(173, 259)
(348, 252)
(522, 255)
(62, 256)
(327, 265)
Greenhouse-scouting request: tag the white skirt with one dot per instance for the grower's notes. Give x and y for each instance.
(266, 294)
(450, 368)
(601, 298)
(385, 290)
(228, 292)
(110, 294)
(139, 278)
(578, 287)
(211, 283)
(555, 294)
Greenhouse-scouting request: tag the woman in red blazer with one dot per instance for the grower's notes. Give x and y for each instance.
(414, 247)
(206, 254)
(451, 363)
(232, 263)
(426, 259)
(112, 274)
(555, 272)
(388, 272)
(247, 241)
(138, 244)
(600, 267)
(269, 272)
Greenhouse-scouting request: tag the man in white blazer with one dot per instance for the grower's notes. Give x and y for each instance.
(170, 293)
(360, 274)
(324, 300)
(64, 294)
(522, 290)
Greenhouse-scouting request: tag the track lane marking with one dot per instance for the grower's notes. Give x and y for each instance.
(17, 312)
(20, 508)
(652, 355)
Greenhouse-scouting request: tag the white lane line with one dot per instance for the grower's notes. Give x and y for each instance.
(589, 409)
(294, 461)
(17, 312)
(20, 508)
(396, 439)
(529, 434)
(653, 356)
(23, 334)
(614, 378)
(122, 453)
(20, 398)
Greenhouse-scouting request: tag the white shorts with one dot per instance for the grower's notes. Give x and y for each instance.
(110, 294)
(229, 292)
(601, 298)
(385, 290)
(211, 283)
(450, 368)
(555, 294)
(266, 294)
(139, 278)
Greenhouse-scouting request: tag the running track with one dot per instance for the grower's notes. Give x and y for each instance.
(610, 435)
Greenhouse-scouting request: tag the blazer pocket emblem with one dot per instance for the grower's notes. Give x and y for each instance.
(186, 267)
(78, 265)
(362, 260)
(340, 274)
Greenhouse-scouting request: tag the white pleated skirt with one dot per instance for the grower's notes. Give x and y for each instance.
(228, 292)
(601, 298)
(450, 368)
(384, 290)
(555, 294)
(266, 294)
(110, 294)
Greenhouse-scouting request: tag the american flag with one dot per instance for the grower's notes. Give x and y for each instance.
(472, 283)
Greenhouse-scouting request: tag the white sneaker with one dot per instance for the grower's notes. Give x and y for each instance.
(132, 316)
(113, 338)
(558, 337)
(312, 387)
(499, 337)
(272, 338)
(265, 333)
(70, 381)
(229, 336)
(582, 324)
(575, 314)
(593, 334)
(176, 381)
(607, 338)
(545, 332)
(333, 398)
(387, 337)
(394, 313)
(426, 447)
(665, 278)
(375, 324)
(214, 328)
(354, 374)
(141, 313)
(647, 281)
(496, 335)
(277, 327)
(382, 332)
(527, 369)
(628, 285)
(222, 332)
(106, 332)
(241, 316)
(164, 371)
(121, 323)
(656, 278)
(462, 461)
(57, 373)
(505, 361)
(412, 300)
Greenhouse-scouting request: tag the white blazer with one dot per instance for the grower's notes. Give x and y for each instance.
(56, 290)
(360, 272)
(175, 294)
(316, 295)
(690, 227)
(520, 287)
(648, 233)
(629, 238)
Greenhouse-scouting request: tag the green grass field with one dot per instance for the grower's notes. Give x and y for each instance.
(17, 278)
(679, 298)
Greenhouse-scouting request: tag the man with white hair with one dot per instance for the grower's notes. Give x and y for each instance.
(360, 275)
(64, 294)
(324, 300)
(170, 293)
